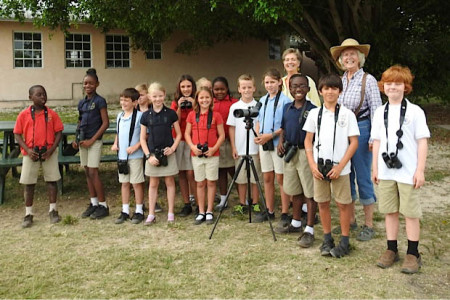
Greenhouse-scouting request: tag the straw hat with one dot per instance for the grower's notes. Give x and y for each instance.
(349, 43)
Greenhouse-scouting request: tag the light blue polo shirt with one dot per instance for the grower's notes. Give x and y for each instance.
(267, 123)
(124, 133)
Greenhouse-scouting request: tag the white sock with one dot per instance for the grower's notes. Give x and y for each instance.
(94, 201)
(191, 196)
(125, 208)
(223, 198)
(305, 208)
(296, 223)
(140, 208)
(309, 229)
(103, 204)
(209, 216)
(28, 210)
(52, 207)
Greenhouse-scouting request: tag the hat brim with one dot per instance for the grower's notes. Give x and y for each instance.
(337, 50)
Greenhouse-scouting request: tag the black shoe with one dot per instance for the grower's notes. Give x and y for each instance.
(263, 216)
(137, 218)
(340, 251)
(89, 211)
(209, 218)
(122, 218)
(100, 212)
(158, 208)
(306, 240)
(288, 229)
(326, 247)
(285, 220)
(27, 221)
(185, 211)
(200, 219)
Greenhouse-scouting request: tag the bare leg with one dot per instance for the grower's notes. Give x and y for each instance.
(184, 186)
(201, 188)
(170, 184)
(211, 194)
(312, 208)
(153, 194)
(412, 228)
(52, 191)
(285, 198)
(345, 211)
(297, 207)
(125, 189)
(325, 216)
(138, 193)
(97, 184)
(392, 224)
(368, 214)
(269, 190)
(28, 194)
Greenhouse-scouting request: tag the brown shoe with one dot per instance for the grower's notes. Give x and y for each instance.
(387, 259)
(411, 264)
(54, 217)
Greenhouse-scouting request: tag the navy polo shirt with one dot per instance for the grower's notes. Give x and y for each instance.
(159, 127)
(91, 119)
(290, 123)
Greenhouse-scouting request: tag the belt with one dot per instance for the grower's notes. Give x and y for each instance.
(362, 118)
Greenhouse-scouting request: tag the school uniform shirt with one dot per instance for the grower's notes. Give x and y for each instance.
(414, 128)
(313, 95)
(38, 132)
(240, 136)
(199, 131)
(346, 126)
(123, 135)
(223, 108)
(291, 122)
(159, 127)
(91, 119)
(182, 120)
(267, 122)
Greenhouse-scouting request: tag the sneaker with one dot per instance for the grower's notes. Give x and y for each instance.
(288, 229)
(170, 218)
(285, 220)
(217, 198)
(151, 219)
(306, 240)
(192, 200)
(411, 264)
(89, 211)
(27, 221)
(158, 208)
(209, 218)
(122, 218)
(388, 258)
(186, 210)
(337, 230)
(100, 212)
(220, 207)
(240, 209)
(263, 216)
(54, 217)
(199, 219)
(256, 208)
(366, 234)
(137, 218)
(326, 247)
(340, 251)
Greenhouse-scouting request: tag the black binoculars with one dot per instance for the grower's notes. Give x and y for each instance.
(324, 167)
(391, 161)
(204, 148)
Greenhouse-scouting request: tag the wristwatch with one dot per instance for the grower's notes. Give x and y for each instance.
(147, 156)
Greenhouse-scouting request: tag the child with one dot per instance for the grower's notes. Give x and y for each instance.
(143, 101)
(158, 148)
(204, 82)
(238, 139)
(93, 121)
(222, 104)
(335, 132)
(400, 134)
(38, 131)
(297, 179)
(128, 145)
(268, 129)
(182, 105)
(204, 134)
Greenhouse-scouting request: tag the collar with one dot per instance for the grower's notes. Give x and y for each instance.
(291, 105)
(93, 97)
(357, 74)
(227, 98)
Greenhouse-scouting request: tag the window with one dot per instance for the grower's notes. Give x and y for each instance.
(154, 51)
(117, 51)
(275, 49)
(78, 51)
(27, 50)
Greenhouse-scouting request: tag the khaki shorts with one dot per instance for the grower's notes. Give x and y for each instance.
(160, 171)
(136, 174)
(183, 156)
(90, 157)
(399, 197)
(242, 177)
(30, 169)
(297, 177)
(270, 161)
(340, 188)
(205, 168)
(226, 159)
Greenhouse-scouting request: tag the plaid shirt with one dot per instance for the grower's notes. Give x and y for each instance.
(351, 94)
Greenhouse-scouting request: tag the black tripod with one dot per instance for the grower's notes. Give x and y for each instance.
(248, 163)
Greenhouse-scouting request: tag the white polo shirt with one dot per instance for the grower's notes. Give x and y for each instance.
(240, 138)
(346, 126)
(414, 128)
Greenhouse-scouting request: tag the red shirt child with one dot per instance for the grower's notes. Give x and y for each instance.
(200, 133)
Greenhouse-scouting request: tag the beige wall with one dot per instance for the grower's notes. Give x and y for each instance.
(64, 84)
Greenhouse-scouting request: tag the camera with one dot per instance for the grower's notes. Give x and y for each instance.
(324, 167)
(202, 147)
(250, 112)
(122, 166)
(80, 135)
(186, 104)
(268, 146)
(40, 151)
(391, 161)
(159, 154)
(289, 151)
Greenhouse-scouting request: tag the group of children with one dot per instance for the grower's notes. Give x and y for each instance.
(307, 149)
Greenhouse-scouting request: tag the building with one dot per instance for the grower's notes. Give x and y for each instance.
(31, 56)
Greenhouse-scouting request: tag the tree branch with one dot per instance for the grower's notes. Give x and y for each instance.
(336, 19)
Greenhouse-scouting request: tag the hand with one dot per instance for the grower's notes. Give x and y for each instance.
(315, 172)
(418, 179)
(370, 147)
(263, 138)
(235, 154)
(86, 143)
(115, 147)
(280, 149)
(153, 160)
(168, 151)
(195, 150)
(47, 154)
(129, 150)
(74, 145)
(335, 172)
(375, 176)
(33, 155)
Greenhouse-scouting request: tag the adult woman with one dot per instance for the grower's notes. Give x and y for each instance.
(362, 96)
(291, 62)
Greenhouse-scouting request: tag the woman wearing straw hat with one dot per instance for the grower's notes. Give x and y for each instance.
(291, 62)
(362, 96)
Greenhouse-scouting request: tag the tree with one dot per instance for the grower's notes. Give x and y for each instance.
(413, 33)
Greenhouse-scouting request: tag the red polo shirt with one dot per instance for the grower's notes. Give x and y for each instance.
(183, 116)
(223, 108)
(200, 133)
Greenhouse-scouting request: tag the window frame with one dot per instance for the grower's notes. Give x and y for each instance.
(23, 59)
(82, 50)
(117, 52)
(154, 51)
